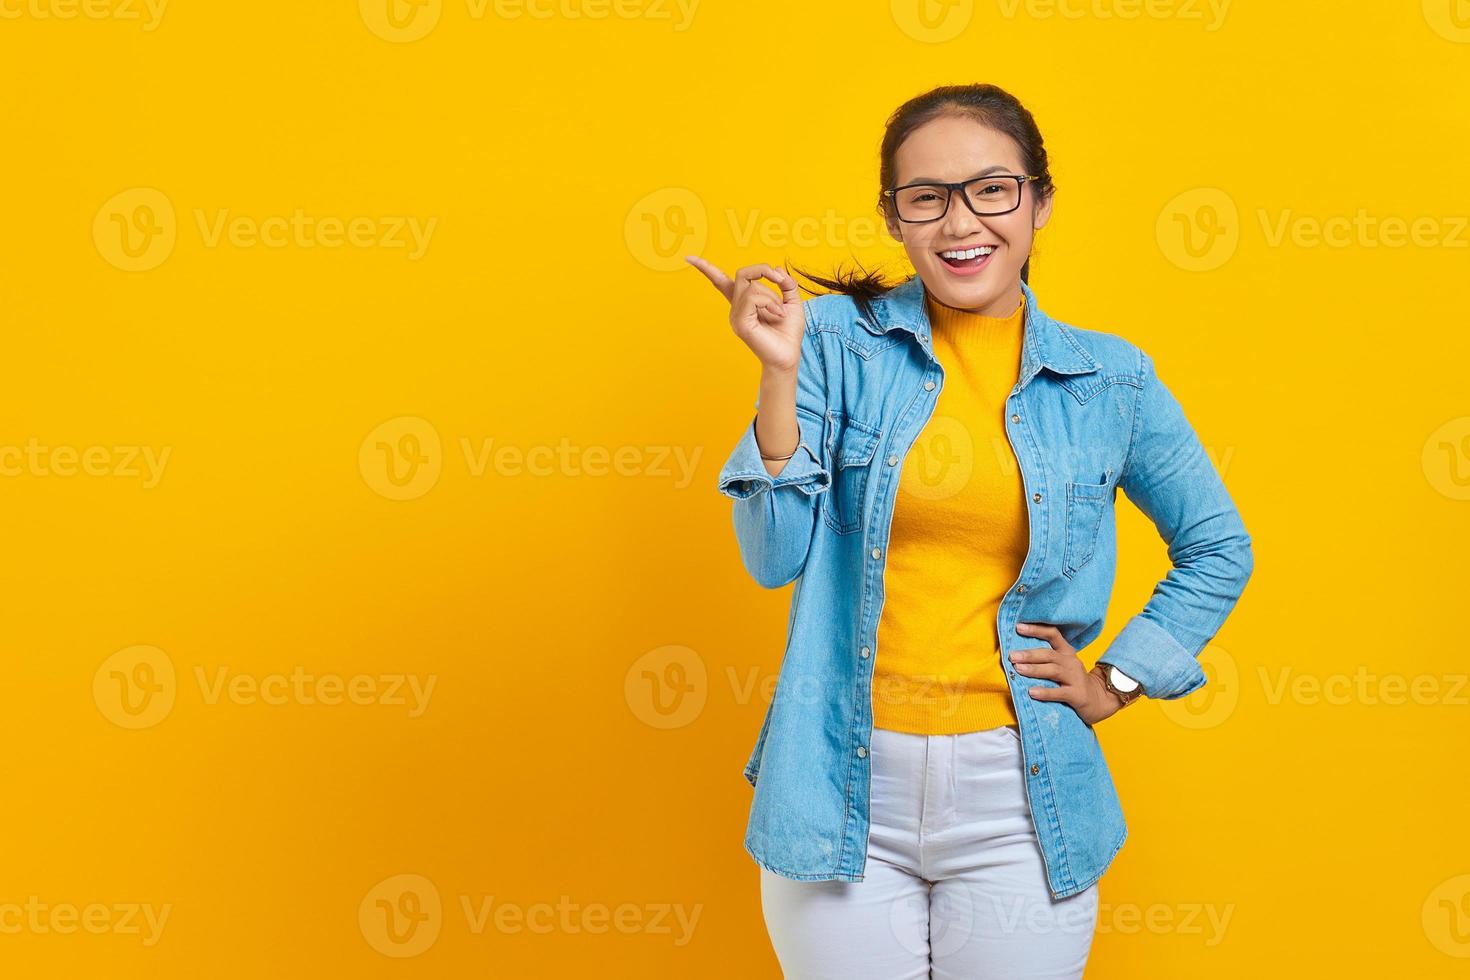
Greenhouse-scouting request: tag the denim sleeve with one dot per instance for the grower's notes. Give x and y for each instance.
(1169, 477)
(775, 516)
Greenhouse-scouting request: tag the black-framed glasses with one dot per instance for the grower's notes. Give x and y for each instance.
(988, 195)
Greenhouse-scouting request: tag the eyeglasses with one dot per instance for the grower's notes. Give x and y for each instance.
(991, 194)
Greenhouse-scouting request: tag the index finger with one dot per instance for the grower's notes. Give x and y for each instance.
(1046, 633)
(722, 282)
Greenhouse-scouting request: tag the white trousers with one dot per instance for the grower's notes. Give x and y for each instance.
(955, 886)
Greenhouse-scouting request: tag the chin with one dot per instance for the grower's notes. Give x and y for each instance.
(970, 295)
(963, 297)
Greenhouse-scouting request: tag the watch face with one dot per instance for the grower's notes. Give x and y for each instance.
(1121, 680)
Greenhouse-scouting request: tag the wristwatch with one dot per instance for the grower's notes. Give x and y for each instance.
(1128, 689)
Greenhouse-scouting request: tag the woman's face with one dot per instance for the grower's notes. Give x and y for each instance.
(950, 149)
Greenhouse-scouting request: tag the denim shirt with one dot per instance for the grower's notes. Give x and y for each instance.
(1088, 415)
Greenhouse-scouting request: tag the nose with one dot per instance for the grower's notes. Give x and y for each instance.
(960, 222)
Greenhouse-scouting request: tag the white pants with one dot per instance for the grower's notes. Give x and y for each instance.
(954, 886)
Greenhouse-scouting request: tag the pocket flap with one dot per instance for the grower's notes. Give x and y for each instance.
(853, 441)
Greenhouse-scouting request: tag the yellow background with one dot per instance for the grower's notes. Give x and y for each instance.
(567, 162)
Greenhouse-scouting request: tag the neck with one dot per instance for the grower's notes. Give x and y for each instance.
(1003, 306)
(972, 328)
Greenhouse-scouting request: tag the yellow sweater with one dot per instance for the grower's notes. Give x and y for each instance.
(958, 540)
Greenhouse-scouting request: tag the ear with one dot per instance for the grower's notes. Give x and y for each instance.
(895, 227)
(1043, 211)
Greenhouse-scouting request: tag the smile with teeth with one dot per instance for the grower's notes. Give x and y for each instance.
(966, 258)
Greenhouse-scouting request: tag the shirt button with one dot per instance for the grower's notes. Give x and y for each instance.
(1036, 497)
(862, 752)
(864, 652)
(928, 386)
(1021, 587)
(892, 460)
(1035, 769)
(877, 553)
(1015, 418)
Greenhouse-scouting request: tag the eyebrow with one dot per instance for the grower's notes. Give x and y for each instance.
(993, 169)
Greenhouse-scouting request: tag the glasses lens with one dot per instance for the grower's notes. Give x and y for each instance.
(994, 195)
(922, 202)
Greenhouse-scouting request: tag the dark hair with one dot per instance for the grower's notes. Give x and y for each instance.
(987, 104)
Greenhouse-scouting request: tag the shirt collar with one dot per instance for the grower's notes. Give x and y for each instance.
(1047, 343)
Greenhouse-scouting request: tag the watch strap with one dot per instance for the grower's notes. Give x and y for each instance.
(1127, 697)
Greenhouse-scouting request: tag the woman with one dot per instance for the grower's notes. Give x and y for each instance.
(934, 464)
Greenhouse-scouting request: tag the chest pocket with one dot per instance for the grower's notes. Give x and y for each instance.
(1086, 503)
(851, 444)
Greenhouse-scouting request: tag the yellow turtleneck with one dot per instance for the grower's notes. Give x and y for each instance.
(958, 540)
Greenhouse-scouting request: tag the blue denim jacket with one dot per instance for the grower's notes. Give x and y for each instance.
(1087, 415)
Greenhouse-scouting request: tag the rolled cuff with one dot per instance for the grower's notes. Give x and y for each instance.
(1147, 653)
(744, 473)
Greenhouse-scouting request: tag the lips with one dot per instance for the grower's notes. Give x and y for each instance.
(966, 266)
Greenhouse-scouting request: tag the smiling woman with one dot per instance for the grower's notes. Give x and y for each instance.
(966, 187)
(935, 463)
